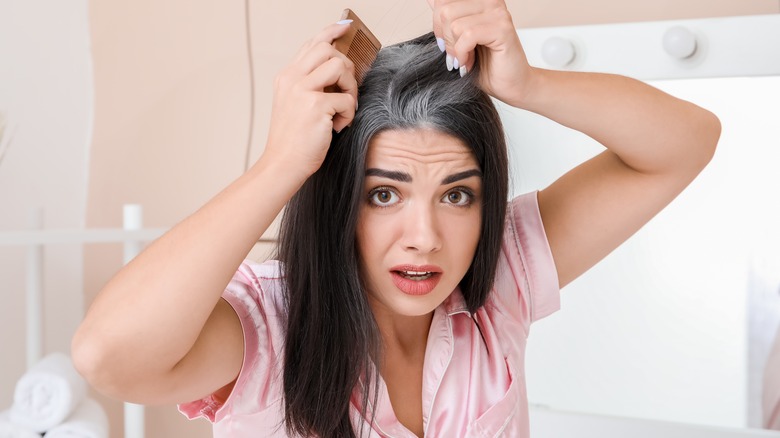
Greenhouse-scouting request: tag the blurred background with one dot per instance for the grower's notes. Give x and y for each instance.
(162, 104)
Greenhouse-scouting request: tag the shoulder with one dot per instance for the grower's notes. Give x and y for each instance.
(258, 283)
(256, 295)
(526, 283)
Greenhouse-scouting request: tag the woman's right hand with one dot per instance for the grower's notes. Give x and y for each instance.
(303, 115)
(131, 345)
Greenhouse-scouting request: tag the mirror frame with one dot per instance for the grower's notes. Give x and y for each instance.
(741, 46)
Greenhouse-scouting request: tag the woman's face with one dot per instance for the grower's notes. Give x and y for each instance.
(419, 220)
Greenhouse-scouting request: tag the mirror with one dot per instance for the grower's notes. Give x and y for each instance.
(678, 322)
(674, 325)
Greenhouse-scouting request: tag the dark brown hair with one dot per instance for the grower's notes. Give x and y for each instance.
(332, 339)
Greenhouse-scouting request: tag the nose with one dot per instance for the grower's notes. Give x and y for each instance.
(421, 231)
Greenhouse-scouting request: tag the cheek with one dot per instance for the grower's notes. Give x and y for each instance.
(465, 234)
(369, 235)
(361, 237)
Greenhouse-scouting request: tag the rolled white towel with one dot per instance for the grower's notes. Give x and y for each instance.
(88, 421)
(47, 393)
(11, 430)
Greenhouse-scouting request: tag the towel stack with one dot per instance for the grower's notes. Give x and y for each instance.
(51, 400)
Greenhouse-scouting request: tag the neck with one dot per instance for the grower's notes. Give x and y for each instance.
(404, 335)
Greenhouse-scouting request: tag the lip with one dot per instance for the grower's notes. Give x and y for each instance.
(416, 287)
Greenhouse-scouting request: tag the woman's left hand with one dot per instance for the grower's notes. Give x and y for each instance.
(484, 26)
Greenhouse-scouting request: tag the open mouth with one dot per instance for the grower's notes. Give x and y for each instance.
(415, 275)
(417, 281)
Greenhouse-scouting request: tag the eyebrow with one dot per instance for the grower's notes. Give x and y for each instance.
(405, 177)
(389, 174)
(461, 175)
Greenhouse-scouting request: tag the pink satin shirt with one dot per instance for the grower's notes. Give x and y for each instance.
(471, 387)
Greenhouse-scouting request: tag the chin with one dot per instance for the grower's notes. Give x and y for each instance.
(408, 305)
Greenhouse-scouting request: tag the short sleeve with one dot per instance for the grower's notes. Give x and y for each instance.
(526, 282)
(252, 293)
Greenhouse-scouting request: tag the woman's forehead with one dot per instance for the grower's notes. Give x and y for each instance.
(423, 145)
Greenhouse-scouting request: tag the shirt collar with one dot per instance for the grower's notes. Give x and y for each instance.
(455, 303)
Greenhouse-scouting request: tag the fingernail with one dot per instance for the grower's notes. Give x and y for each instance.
(449, 62)
(440, 42)
(455, 63)
(344, 21)
(463, 71)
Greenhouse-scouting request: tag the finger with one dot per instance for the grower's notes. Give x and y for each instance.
(436, 25)
(342, 109)
(439, 22)
(331, 32)
(469, 32)
(334, 72)
(448, 14)
(326, 35)
(482, 30)
(347, 83)
(317, 56)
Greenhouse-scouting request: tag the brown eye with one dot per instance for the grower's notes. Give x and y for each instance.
(458, 198)
(383, 197)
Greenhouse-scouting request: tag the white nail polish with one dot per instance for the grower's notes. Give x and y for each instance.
(440, 43)
(449, 62)
(463, 71)
(344, 22)
(455, 63)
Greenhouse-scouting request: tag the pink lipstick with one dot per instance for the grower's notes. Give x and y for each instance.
(416, 279)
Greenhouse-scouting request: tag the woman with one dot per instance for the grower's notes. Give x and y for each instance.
(407, 284)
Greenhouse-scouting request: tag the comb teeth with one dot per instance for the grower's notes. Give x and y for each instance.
(359, 45)
(362, 53)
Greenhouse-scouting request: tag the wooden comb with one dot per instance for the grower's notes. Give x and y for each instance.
(358, 44)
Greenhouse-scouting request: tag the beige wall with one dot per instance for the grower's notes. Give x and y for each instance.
(173, 100)
(46, 94)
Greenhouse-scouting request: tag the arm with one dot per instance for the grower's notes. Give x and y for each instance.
(656, 144)
(158, 332)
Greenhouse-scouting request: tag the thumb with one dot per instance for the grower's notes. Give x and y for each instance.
(437, 25)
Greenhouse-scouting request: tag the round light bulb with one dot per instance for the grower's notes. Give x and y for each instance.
(558, 52)
(679, 42)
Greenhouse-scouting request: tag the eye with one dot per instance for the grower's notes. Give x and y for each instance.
(383, 197)
(458, 197)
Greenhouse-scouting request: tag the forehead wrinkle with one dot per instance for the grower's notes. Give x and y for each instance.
(420, 142)
(423, 154)
(411, 158)
(420, 153)
(442, 165)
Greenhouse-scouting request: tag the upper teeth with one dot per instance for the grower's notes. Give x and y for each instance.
(415, 273)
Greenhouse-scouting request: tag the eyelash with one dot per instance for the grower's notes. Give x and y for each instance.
(377, 190)
(464, 190)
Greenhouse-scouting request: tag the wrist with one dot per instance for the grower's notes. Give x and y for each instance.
(283, 174)
(532, 90)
